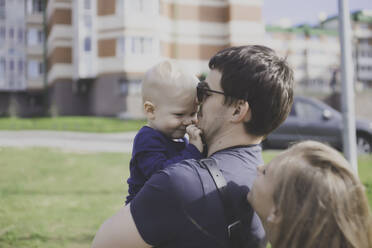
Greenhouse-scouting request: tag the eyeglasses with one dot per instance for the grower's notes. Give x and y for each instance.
(202, 91)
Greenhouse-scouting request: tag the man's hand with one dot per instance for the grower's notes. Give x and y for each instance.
(195, 136)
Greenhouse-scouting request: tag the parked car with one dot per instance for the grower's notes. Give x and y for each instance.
(312, 119)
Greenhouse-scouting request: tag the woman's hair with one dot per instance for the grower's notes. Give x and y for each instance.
(321, 203)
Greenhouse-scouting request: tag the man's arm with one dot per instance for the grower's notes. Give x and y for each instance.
(150, 162)
(119, 231)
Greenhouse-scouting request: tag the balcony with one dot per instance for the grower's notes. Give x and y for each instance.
(35, 83)
(34, 18)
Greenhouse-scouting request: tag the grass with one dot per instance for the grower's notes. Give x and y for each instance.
(365, 174)
(54, 199)
(72, 123)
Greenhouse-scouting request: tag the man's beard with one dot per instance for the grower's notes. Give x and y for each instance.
(200, 114)
(200, 111)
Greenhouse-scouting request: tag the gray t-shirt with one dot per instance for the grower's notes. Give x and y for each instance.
(180, 206)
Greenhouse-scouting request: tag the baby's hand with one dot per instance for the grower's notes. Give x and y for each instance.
(195, 136)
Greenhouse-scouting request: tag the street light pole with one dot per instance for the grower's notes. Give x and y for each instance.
(347, 93)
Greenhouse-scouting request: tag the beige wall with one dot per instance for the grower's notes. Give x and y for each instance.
(105, 7)
(189, 51)
(219, 14)
(59, 16)
(195, 13)
(61, 55)
(107, 48)
(245, 13)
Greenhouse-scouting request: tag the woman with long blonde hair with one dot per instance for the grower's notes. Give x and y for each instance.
(308, 197)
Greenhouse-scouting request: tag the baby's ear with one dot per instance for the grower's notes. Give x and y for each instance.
(149, 109)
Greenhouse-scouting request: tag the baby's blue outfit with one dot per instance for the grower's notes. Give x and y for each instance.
(153, 151)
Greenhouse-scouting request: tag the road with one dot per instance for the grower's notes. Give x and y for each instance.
(69, 141)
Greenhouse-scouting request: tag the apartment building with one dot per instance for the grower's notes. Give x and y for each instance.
(361, 22)
(21, 57)
(98, 50)
(313, 53)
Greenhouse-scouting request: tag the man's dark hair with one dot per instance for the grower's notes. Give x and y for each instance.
(255, 73)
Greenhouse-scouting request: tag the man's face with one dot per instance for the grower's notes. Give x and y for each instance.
(213, 113)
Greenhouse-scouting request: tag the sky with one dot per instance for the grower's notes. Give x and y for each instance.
(305, 11)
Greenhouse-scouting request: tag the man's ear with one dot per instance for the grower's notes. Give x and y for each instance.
(242, 112)
(149, 109)
(274, 217)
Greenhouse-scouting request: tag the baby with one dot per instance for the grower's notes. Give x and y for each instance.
(169, 101)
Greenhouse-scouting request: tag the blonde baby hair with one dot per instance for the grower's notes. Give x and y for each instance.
(164, 75)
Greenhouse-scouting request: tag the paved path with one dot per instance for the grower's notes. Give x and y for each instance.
(69, 141)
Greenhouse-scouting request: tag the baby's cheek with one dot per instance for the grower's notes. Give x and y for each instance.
(176, 123)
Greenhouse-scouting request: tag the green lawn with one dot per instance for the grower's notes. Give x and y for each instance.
(54, 199)
(72, 123)
(50, 198)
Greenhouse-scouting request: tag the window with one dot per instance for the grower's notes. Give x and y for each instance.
(136, 5)
(135, 87)
(123, 86)
(120, 46)
(2, 9)
(147, 45)
(41, 68)
(136, 45)
(87, 21)
(35, 36)
(119, 7)
(145, 6)
(11, 33)
(87, 44)
(40, 36)
(363, 25)
(86, 4)
(37, 6)
(32, 36)
(11, 82)
(2, 34)
(2, 67)
(20, 66)
(20, 35)
(141, 45)
(35, 69)
(11, 65)
(150, 6)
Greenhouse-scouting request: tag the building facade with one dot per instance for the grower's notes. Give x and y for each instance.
(361, 22)
(313, 53)
(87, 57)
(21, 57)
(98, 50)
